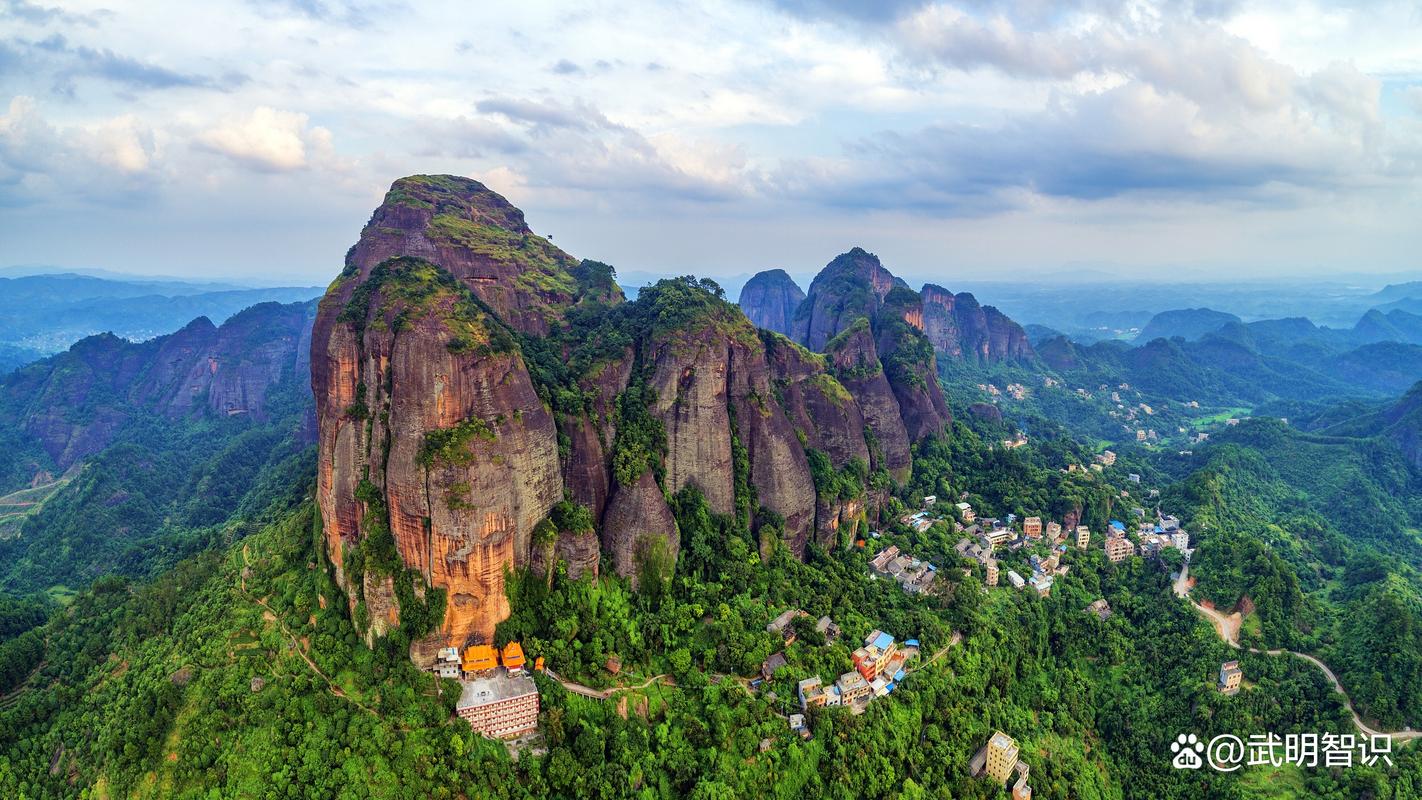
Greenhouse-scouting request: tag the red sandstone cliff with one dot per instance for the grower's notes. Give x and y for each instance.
(469, 376)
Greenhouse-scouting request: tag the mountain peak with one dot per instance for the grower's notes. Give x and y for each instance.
(770, 299)
(476, 235)
(463, 197)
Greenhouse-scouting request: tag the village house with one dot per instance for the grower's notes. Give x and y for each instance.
(447, 662)
(1042, 582)
(811, 692)
(873, 658)
(1083, 537)
(999, 536)
(1119, 548)
(1054, 531)
(827, 628)
(797, 724)
(1230, 676)
(852, 688)
(996, 760)
(990, 571)
(1015, 579)
(881, 560)
(1100, 608)
(965, 511)
(1032, 526)
(782, 626)
(772, 665)
(1106, 458)
(914, 575)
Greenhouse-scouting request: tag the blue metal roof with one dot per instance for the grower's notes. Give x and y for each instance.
(898, 676)
(911, 643)
(883, 641)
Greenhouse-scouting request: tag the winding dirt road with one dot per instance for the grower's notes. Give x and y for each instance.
(1227, 626)
(603, 694)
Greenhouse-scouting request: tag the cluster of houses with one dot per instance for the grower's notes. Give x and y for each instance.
(497, 698)
(782, 625)
(915, 575)
(985, 541)
(988, 537)
(878, 668)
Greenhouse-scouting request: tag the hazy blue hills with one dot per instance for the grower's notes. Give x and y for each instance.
(44, 314)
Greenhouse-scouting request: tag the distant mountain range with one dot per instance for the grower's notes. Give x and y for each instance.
(45, 314)
(1290, 336)
(956, 324)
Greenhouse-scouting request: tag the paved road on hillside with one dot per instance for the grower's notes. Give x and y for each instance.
(1227, 626)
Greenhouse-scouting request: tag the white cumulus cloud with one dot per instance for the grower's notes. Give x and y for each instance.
(270, 140)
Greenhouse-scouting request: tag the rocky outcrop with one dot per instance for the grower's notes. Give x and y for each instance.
(578, 551)
(839, 521)
(1403, 425)
(910, 365)
(769, 300)
(779, 470)
(872, 326)
(823, 412)
(959, 327)
(986, 412)
(637, 521)
(470, 378)
(855, 361)
(426, 409)
(477, 236)
(689, 371)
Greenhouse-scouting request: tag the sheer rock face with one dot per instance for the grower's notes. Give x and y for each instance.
(866, 319)
(199, 370)
(855, 360)
(779, 469)
(638, 517)
(233, 368)
(961, 328)
(769, 300)
(1404, 425)
(578, 551)
(400, 352)
(689, 375)
(839, 522)
(910, 365)
(817, 404)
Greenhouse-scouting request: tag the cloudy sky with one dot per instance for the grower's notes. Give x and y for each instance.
(973, 138)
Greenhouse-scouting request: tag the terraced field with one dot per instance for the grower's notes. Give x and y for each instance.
(16, 506)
